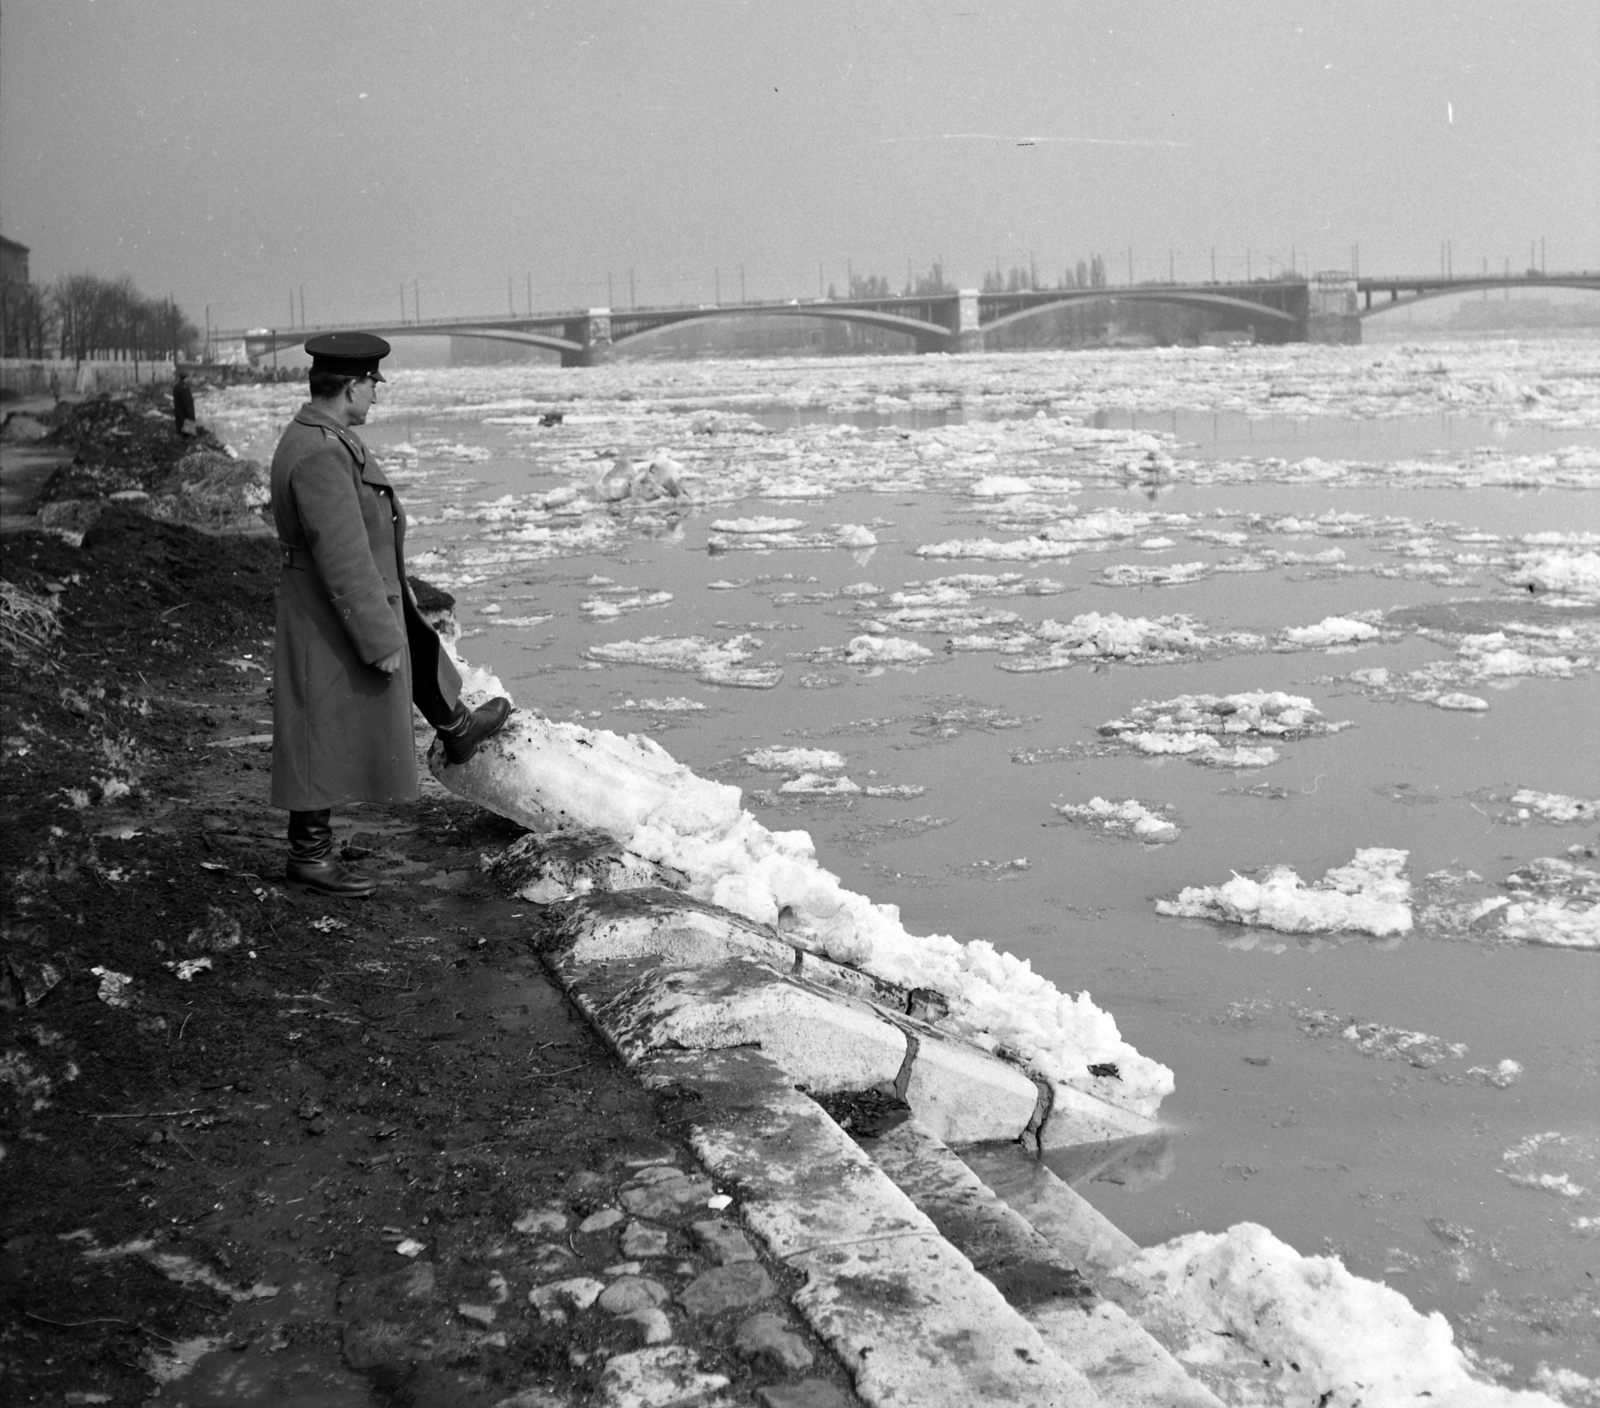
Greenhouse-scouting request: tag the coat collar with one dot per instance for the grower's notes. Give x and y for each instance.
(308, 414)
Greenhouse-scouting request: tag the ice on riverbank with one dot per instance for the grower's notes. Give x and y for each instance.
(552, 776)
(1370, 895)
(1313, 1332)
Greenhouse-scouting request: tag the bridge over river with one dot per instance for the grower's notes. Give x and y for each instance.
(1327, 308)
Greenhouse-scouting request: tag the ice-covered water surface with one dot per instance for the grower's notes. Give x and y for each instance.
(899, 601)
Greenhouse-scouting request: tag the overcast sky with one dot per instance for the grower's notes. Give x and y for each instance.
(227, 153)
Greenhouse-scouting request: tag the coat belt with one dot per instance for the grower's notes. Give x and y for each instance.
(296, 557)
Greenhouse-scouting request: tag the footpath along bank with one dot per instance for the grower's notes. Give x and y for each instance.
(270, 1148)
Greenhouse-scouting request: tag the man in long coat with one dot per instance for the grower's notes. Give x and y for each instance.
(352, 653)
(183, 406)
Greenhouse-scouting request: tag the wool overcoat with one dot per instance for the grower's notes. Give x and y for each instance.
(341, 729)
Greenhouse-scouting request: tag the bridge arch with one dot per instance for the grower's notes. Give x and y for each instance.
(1183, 298)
(264, 344)
(1424, 294)
(918, 328)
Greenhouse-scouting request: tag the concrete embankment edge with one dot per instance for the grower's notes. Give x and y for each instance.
(928, 1283)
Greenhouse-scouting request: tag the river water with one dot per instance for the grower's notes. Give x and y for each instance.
(1351, 1092)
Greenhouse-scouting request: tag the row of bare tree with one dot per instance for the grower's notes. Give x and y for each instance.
(83, 316)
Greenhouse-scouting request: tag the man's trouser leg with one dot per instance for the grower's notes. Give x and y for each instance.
(436, 691)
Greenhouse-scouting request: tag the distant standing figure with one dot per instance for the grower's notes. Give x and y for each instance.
(352, 652)
(183, 406)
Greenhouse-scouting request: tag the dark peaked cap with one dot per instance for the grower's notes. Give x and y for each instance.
(347, 353)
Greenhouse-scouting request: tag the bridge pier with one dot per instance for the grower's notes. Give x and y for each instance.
(1331, 310)
(963, 317)
(592, 333)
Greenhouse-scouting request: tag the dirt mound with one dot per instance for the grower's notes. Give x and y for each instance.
(210, 490)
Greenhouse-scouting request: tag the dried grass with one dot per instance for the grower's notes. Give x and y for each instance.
(28, 622)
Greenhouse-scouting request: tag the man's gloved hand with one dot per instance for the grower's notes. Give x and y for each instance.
(390, 663)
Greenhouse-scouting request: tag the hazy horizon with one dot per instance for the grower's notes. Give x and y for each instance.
(232, 156)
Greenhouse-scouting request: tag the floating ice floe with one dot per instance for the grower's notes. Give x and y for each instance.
(1369, 896)
(1137, 639)
(1548, 901)
(1384, 1042)
(1497, 659)
(767, 534)
(814, 784)
(885, 650)
(549, 776)
(1174, 574)
(609, 608)
(1310, 1332)
(673, 705)
(1556, 903)
(999, 486)
(1194, 725)
(1502, 1076)
(1574, 574)
(1110, 635)
(1017, 550)
(1332, 630)
(1553, 807)
(662, 477)
(1546, 1162)
(795, 760)
(714, 662)
(757, 526)
(1126, 818)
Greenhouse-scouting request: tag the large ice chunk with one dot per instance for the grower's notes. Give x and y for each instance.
(1370, 896)
(1321, 1334)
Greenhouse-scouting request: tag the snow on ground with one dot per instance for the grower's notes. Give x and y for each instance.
(1311, 1332)
(1130, 818)
(1370, 896)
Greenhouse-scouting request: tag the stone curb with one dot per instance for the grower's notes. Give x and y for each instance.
(909, 1315)
(831, 1027)
(929, 1287)
(1128, 1367)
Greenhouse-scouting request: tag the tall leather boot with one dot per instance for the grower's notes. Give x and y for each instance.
(465, 731)
(312, 862)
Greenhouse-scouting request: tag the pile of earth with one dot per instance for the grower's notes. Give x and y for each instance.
(126, 450)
